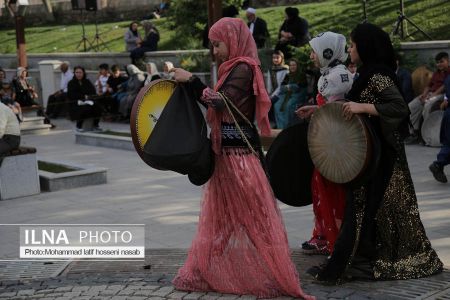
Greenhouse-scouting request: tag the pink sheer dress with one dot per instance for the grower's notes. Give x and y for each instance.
(241, 245)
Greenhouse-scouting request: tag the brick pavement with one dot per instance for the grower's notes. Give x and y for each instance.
(168, 205)
(151, 279)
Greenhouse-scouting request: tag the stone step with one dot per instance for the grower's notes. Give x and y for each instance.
(31, 122)
(37, 129)
(29, 112)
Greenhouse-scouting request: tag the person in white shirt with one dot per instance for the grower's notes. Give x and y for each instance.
(9, 130)
(57, 102)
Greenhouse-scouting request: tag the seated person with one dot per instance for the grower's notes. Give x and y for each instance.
(57, 102)
(136, 79)
(104, 98)
(167, 74)
(132, 37)
(7, 98)
(293, 94)
(293, 32)
(433, 93)
(23, 91)
(405, 80)
(83, 105)
(152, 73)
(9, 130)
(102, 78)
(150, 43)
(116, 86)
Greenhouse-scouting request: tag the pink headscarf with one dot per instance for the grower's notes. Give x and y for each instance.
(241, 48)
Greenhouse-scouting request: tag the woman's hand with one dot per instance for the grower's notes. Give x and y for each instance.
(306, 111)
(180, 75)
(350, 108)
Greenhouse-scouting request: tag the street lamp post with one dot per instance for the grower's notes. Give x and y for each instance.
(17, 9)
(20, 41)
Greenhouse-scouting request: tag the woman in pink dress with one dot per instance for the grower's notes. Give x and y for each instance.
(241, 244)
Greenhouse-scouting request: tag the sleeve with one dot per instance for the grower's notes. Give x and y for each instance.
(129, 38)
(236, 87)
(71, 91)
(393, 112)
(432, 80)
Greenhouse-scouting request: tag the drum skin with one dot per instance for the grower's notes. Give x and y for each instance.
(340, 149)
(146, 110)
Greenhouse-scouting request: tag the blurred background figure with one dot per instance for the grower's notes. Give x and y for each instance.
(293, 32)
(258, 27)
(132, 37)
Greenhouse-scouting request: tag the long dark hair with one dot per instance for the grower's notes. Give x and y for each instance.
(374, 45)
(376, 53)
(82, 69)
(135, 32)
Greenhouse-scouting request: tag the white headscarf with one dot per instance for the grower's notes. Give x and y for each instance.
(133, 70)
(336, 80)
(329, 46)
(20, 70)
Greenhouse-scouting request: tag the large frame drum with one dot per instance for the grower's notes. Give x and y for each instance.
(146, 110)
(340, 149)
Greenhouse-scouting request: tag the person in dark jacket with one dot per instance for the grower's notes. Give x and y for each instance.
(405, 80)
(81, 94)
(258, 27)
(293, 32)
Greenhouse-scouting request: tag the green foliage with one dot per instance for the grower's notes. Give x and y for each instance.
(188, 33)
(302, 54)
(196, 62)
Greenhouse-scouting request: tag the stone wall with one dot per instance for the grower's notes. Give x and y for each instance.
(424, 52)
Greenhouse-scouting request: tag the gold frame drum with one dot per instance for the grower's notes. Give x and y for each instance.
(340, 149)
(146, 110)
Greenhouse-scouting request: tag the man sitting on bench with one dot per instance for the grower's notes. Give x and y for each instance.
(9, 130)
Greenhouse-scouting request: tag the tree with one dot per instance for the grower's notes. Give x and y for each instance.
(188, 33)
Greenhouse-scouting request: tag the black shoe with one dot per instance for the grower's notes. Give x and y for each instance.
(438, 172)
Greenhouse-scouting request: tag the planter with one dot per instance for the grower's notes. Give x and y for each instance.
(55, 176)
(105, 140)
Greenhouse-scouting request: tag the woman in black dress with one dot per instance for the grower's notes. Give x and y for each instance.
(382, 236)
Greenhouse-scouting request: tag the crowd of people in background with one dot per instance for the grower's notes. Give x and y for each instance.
(291, 83)
(110, 95)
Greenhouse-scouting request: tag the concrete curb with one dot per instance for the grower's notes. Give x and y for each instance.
(104, 140)
(82, 176)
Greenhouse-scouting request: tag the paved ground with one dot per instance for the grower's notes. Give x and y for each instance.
(168, 204)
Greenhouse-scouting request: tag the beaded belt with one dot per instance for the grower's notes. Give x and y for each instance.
(231, 136)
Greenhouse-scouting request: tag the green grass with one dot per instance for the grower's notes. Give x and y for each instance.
(335, 15)
(53, 168)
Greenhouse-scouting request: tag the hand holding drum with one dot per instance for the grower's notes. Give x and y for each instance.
(339, 142)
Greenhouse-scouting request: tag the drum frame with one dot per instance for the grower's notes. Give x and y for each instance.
(134, 112)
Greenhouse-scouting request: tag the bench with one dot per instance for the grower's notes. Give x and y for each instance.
(19, 175)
